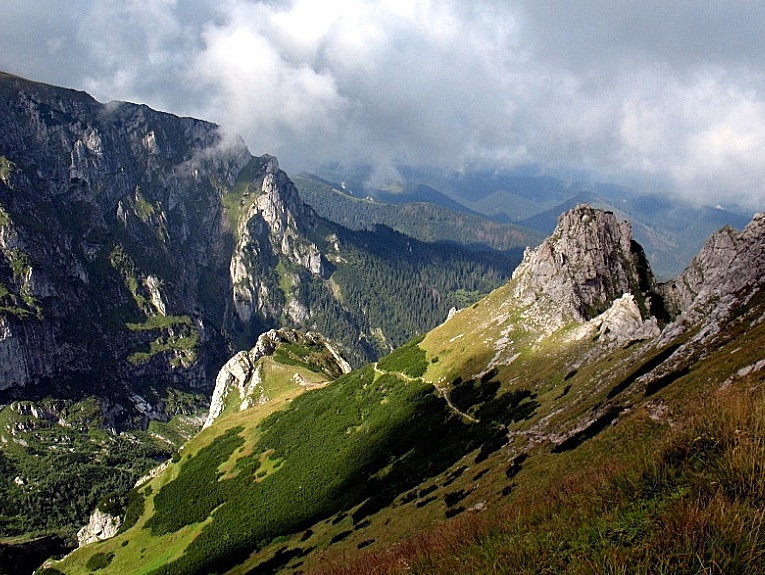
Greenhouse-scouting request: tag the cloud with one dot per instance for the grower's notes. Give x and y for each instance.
(664, 92)
(256, 85)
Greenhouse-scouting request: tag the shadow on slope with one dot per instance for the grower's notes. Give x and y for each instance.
(362, 441)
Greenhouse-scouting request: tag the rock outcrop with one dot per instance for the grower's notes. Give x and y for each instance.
(271, 226)
(727, 272)
(622, 323)
(581, 269)
(137, 246)
(242, 374)
(729, 262)
(101, 526)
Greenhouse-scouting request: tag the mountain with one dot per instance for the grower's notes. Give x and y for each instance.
(141, 246)
(138, 252)
(497, 194)
(581, 418)
(670, 229)
(357, 181)
(423, 220)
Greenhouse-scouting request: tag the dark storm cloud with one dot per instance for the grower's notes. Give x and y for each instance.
(664, 91)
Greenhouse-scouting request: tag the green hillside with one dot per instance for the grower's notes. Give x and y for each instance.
(493, 444)
(425, 221)
(59, 459)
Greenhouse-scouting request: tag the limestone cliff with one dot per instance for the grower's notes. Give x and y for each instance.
(620, 324)
(588, 262)
(727, 272)
(101, 525)
(138, 248)
(729, 261)
(109, 217)
(270, 227)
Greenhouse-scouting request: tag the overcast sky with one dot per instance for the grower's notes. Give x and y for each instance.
(670, 92)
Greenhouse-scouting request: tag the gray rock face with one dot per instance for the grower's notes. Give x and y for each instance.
(110, 215)
(587, 263)
(729, 261)
(14, 369)
(727, 272)
(100, 526)
(237, 375)
(271, 227)
(621, 323)
(122, 257)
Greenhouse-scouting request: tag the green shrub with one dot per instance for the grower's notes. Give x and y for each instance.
(409, 359)
(99, 561)
(196, 492)
(134, 506)
(112, 504)
(361, 440)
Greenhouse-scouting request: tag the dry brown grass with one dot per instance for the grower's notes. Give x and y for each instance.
(693, 504)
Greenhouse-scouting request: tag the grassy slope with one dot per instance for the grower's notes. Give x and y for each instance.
(132, 550)
(676, 484)
(675, 487)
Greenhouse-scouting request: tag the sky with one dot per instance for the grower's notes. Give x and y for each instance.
(669, 95)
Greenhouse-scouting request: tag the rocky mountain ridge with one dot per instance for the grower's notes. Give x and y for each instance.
(89, 187)
(588, 262)
(136, 246)
(272, 220)
(729, 262)
(243, 374)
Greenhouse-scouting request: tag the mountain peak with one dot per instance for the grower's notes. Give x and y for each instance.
(729, 261)
(589, 261)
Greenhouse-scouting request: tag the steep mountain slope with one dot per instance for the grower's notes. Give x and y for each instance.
(580, 418)
(136, 245)
(138, 252)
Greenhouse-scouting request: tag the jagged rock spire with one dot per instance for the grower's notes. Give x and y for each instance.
(729, 267)
(589, 261)
(271, 227)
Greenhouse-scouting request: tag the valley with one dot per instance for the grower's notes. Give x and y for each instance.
(519, 206)
(139, 251)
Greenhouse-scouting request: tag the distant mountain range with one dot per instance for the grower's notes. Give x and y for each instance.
(670, 229)
(419, 218)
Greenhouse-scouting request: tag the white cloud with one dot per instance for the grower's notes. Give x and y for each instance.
(707, 135)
